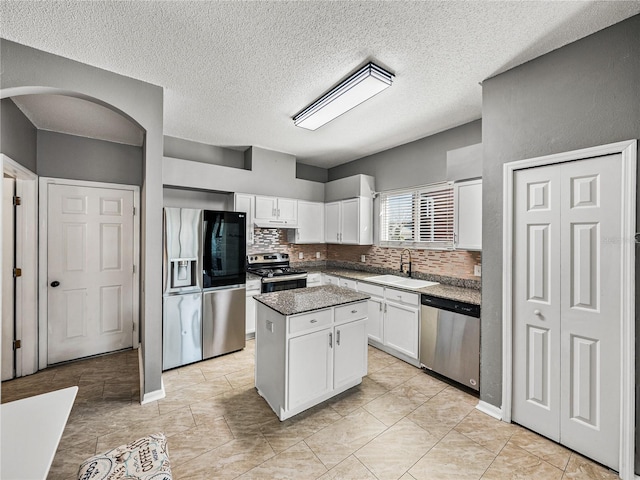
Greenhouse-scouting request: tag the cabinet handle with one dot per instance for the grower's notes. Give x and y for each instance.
(278, 212)
(354, 311)
(331, 340)
(385, 308)
(380, 305)
(338, 337)
(338, 237)
(314, 320)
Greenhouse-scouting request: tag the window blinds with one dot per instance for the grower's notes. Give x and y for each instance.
(420, 217)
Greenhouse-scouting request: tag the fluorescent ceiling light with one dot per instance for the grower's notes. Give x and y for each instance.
(362, 85)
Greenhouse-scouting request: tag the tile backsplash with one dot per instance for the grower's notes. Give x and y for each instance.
(448, 263)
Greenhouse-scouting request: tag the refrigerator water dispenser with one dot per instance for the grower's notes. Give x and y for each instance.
(183, 272)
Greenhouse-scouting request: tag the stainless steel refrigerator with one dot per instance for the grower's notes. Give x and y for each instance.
(203, 285)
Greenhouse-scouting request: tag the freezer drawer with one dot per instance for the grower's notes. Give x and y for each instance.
(181, 330)
(450, 345)
(223, 321)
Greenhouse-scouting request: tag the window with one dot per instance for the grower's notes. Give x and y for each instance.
(421, 217)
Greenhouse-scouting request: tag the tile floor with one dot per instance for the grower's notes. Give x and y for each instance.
(400, 423)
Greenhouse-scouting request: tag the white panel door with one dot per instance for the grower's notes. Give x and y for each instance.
(288, 210)
(375, 316)
(591, 255)
(536, 302)
(90, 271)
(8, 284)
(567, 304)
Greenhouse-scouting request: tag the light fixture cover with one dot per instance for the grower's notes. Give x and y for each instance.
(362, 85)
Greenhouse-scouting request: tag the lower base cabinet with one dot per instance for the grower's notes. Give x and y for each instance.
(302, 360)
(401, 327)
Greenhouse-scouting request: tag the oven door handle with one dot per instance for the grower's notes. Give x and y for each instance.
(284, 278)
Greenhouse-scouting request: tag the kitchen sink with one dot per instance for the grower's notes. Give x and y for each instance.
(394, 280)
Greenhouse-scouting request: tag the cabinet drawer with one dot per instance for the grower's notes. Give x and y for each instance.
(401, 296)
(374, 290)
(314, 279)
(352, 311)
(309, 321)
(347, 283)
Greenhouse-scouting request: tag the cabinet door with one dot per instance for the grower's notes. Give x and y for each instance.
(468, 215)
(244, 203)
(266, 208)
(350, 222)
(310, 367)
(375, 313)
(310, 223)
(251, 312)
(401, 327)
(332, 222)
(350, 361)
(287, 210)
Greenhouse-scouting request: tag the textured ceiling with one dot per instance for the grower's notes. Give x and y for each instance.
(234, 73)
(64, 114)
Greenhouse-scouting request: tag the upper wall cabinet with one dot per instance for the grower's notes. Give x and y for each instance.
(310, 223)
(468, 215)
(349, 221)
(274, 212)
(245, 203)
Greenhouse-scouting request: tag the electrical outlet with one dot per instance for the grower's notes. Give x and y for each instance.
(317, 254)
(300, 255)
(477, 270)
(363, 258)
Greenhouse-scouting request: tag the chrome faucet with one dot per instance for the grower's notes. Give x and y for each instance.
(402, 264)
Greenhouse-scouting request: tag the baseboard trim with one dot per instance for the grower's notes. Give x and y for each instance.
(491, 410)
(153, 396)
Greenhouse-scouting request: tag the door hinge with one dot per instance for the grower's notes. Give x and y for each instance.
(134, 269)
(17, 344)
(17, 272)
(134, 211)
(17, 201)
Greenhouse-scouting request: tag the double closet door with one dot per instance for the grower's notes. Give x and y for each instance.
(567, 304)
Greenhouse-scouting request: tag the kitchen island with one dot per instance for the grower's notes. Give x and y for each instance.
(311, 344)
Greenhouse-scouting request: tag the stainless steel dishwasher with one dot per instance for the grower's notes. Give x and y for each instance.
(450, 339)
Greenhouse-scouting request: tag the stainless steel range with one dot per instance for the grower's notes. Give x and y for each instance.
(275, 272)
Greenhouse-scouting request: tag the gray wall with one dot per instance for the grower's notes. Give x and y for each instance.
(181, 198)
(79, 158)
(26, 70)
(584, 94)
(310, 172)
(201, 152)
(417, 163)
(17, 135)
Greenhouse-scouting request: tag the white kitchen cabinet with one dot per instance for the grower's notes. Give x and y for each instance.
(314, 279)
(375, 311)
(468, 215)
(275, 212)
(330, 280)
(245, 203)
(350, 352)
(349, 221)
(304, 359)
(347, 283)
(310, 223)
(253, 288)
(402, 321)
(310, 368)
(401, 328)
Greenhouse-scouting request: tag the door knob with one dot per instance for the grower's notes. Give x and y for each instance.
(55, 283)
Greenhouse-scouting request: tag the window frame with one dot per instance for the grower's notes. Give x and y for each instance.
(442, 222)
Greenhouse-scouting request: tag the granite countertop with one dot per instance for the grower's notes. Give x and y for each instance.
(300, 300)
(461, 294)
